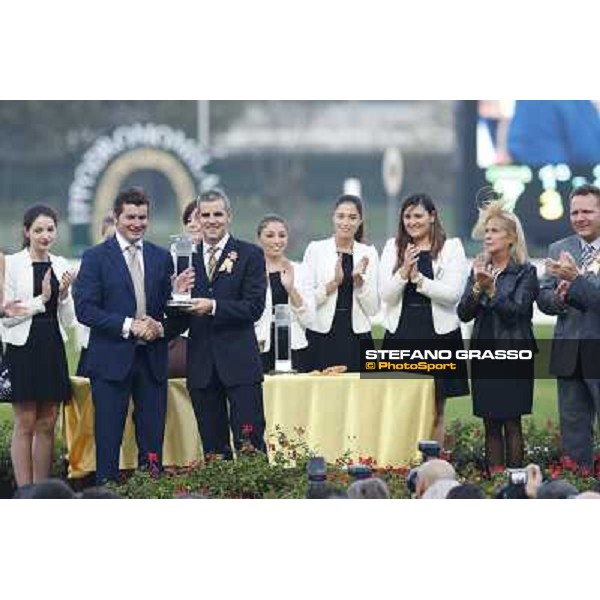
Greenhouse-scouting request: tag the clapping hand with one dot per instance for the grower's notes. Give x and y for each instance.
(408, 269)
(287, 276)
(47, 286)
(338, 276)
(359, 271)
(14, 308)
(561, 290)
(339, 270)
(563, 268)
(65, 283)
(484, 274)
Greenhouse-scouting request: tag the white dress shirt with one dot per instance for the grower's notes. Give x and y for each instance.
(124, 244)
(220, 246)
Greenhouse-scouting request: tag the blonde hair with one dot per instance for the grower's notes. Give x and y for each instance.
(496, 210)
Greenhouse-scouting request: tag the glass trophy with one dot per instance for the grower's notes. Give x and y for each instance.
(182, 249)
(283, 351)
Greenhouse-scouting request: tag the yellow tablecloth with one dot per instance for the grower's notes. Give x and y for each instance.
(381, 418)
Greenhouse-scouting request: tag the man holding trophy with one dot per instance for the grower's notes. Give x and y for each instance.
(223, 359)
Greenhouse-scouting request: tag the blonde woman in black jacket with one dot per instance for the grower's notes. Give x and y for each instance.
(499, 295)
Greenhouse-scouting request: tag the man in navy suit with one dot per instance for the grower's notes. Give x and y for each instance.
(121, 294)
(223, 355)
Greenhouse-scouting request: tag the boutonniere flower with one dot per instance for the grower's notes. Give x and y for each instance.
(227, 264)
(594, 267)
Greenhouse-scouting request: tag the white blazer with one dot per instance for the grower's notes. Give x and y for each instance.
(302, 316)
(18, 285)
(450, 272)
(320, 258)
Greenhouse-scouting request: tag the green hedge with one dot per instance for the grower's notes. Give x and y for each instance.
(285, 476)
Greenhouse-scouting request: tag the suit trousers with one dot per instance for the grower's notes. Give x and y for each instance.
(578, 405)
(111, 402)
(215, 419)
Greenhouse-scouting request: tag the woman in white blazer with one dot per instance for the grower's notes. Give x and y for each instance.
(421, 278)
(288, 283)
(35, 351)
(343, 276)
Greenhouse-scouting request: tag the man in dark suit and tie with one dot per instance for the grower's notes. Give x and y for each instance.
(570, 290)
(121, 294)
(223, 359)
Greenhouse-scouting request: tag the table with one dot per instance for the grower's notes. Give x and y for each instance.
(380, 418)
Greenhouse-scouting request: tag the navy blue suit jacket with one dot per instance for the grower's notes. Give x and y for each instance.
(226, 341)
(104, 296)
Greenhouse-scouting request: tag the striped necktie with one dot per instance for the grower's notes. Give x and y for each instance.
(212, 262)
(137, 277)
(588, 254)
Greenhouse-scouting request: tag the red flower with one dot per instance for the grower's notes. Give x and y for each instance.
(568, 463)
(555, 471)
(152, 457)
(597, 465)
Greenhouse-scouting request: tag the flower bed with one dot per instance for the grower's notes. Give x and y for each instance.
(285, 476)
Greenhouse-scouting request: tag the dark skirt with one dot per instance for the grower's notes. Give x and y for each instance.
(38, 370)
(416, 323)
(341, 346)
(501, 398)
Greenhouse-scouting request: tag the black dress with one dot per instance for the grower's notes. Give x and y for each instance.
(300, 362)
(38, 370)
(416, 323)
(340, 346)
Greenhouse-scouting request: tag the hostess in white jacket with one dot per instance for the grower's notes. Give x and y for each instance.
(320, 258)
(450, 272)
(18, 285)
(302, 316)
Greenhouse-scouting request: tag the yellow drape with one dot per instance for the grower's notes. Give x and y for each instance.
(380, 418)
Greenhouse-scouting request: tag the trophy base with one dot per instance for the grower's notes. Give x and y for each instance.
(283, 369)
(180, 303)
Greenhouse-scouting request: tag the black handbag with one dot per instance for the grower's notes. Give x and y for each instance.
(5, 385)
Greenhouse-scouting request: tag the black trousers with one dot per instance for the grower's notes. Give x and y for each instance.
(220, 409)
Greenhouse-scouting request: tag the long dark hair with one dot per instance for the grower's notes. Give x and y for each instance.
(438, 235)
(31, 214)
(359, 236)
